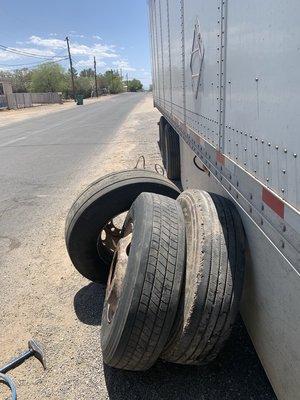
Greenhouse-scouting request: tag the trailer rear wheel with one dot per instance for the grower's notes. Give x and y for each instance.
(91, 234)
(172, 150)
(214, 278)
(145, 284)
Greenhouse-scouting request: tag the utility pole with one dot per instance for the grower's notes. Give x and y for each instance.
(127, 81)
(95, 69)
(71, 69)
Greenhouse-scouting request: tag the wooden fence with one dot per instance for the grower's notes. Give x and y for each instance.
(23, 100)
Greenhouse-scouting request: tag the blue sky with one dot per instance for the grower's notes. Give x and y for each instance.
(115, 31)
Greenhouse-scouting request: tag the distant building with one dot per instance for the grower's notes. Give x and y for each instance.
(5, 86)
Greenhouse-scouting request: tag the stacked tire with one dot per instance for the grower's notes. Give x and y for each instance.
(174, 274)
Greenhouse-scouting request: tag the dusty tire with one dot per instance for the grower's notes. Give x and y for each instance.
(214, 278)
(172, 153)
(162, 142)
(102, 201)
(148, 288)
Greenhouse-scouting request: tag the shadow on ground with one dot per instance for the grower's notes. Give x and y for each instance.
(88, 303)
(236, 375)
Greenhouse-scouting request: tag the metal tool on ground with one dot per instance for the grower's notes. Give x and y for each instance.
(34, 350)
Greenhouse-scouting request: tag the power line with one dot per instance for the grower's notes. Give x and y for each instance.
(25, 53)
(36, 63)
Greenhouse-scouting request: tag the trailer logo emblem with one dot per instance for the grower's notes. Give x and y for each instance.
(197, 57)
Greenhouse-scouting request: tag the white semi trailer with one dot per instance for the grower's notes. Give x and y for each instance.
(226, 80)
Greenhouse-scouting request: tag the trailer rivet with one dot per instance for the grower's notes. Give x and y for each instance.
(251, 196)
(263, 141)
(262, 221)
(282, 190)
(285, 150)
(262, 207)
(267, 179)
(256, 79)
(295, 155)
(282, 244)
(283, 171)
(268, 162)
(276, 147)
(284, 228)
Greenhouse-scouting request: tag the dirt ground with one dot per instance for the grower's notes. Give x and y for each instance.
(61, 309)
(55, 309)
(9, 116)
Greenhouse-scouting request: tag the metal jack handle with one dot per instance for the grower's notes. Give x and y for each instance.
(34, 349)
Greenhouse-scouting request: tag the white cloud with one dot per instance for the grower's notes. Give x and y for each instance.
(124, 65)
(75, 35)
(97, 49)
(97, 37)
(5, 56)
(88, 63)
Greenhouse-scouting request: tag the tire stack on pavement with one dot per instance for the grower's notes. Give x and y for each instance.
(174, 272)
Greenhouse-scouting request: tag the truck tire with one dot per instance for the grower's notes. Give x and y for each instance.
(145, 284)
(214, 278)
(172, 153)
(90, 233)
(162, 141)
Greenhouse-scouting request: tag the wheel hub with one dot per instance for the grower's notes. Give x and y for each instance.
(117, 273)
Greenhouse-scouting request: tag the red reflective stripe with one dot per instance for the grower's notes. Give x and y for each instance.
(273, 202)
(220, 158)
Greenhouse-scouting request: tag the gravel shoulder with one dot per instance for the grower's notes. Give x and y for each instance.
(47, 299)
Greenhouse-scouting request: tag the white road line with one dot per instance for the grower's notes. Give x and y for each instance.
(13, 141)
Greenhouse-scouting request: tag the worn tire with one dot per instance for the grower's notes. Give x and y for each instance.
(103, 200)
(162, 142)
(214, 278)
(172, 153)
(151, 286)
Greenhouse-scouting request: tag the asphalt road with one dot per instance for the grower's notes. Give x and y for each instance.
(44, 163)
(41, 156)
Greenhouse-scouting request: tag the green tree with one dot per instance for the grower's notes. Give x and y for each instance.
(49, 77)
(21, 80)
(113, 82)
(84, 86)
(135, 85)
(89, 72)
